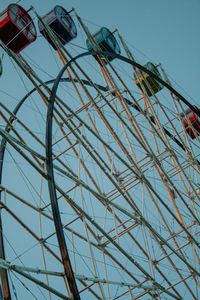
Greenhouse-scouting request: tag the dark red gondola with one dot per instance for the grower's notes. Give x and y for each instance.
(191, 123)
(17, 30)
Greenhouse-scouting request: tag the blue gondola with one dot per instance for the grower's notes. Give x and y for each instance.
(61, 23)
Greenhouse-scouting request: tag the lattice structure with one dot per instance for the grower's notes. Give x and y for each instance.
(100, 195)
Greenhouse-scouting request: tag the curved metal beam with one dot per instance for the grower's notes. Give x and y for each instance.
(4, 277)
(49, 156)
(3, 272)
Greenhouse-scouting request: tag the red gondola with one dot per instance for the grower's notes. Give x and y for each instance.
(17, 30)
(191, 123)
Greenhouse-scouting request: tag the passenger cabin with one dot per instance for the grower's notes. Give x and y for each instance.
(191, 123)
(61, 23)
(17, 30)
(106, 42)
(147, 83)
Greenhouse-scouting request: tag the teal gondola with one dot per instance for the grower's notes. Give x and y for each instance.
(106, 40)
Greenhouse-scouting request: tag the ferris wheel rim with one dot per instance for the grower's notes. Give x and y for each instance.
(49, 121)
(73, 59)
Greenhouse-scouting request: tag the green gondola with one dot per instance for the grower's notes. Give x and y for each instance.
(147, 83)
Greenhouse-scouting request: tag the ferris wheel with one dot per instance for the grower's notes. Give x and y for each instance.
(99, 169)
